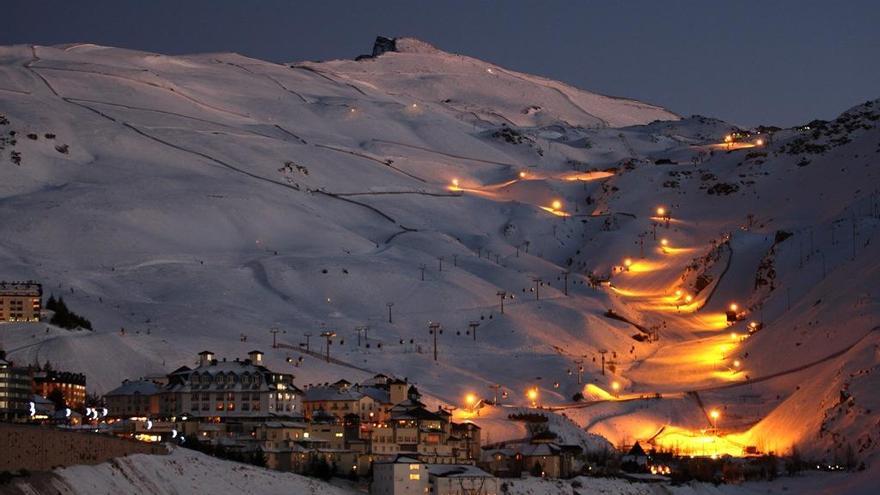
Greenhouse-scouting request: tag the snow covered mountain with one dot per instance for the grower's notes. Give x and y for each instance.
(199, 201)
(480, 92)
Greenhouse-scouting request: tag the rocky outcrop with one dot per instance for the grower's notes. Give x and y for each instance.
(401, 45)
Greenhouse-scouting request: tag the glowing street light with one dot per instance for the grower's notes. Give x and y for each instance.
(759, 142)
(714, 414)
(532, 395)
(522, 175)
(734, 307)
(471, 401)
(734, 336)
(688, 298)
(664, 242)
(663, 213)
(557, 205)
(678, 293)
(736, 363)
(627, 263)
(616, 387)
(455, 183)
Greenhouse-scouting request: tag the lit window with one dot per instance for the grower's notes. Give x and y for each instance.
(414, 476)
(414, 467)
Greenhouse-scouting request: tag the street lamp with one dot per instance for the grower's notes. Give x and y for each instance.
(532, 395)
(557, 205)
(714, 414)
(734, 307)
(627, 263)
(522, 175)
(661, 211)
(471, 401)
(616, 387)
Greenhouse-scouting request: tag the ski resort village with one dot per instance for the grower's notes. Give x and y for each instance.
(418, 272)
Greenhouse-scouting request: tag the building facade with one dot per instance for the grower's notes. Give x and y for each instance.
(71, 385)
(20, 301)
(216, 390)
(401, 475)
(134, 398)
(15, 391)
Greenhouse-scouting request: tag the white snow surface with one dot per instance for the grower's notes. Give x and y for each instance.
(182, 471)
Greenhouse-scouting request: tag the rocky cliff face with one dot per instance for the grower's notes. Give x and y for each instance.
(382, 45)
(401, 45)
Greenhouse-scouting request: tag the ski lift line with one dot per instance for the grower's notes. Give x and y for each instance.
(450, 155)
(790, 370)
(333, 360)
(242, 67)
(367, 157)
(561, 93)
(205, 155)
(391, 193)
(720, 277)
(321, 74)
(250, 174)
(138, 81)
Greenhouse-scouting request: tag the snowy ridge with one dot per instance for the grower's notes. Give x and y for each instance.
(483, 92)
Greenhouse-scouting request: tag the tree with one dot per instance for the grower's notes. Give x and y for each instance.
(259, 459)
(537, 470)
(57, 398)
(65, 318)
(320, 468)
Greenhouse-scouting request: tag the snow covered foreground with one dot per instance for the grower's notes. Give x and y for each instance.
(190, 472)
(183, 471)
(199, 201)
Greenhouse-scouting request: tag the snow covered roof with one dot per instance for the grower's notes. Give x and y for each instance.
(314, 394)
(142, 387)
(404, 458)
(418, 413)
(377, 394)
(457, 471)
(283, 424)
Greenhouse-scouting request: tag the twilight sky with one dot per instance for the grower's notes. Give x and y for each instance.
(778, 62)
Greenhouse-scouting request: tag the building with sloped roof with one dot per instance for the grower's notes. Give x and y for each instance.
(542, 456)
(71, 385)
(134, 398)
(456, 479)
(216, 390)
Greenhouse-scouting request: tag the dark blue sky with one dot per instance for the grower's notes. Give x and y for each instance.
(749, 62)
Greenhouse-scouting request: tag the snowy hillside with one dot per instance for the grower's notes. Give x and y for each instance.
(199, 201)
(183, 471)
(484, 93)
